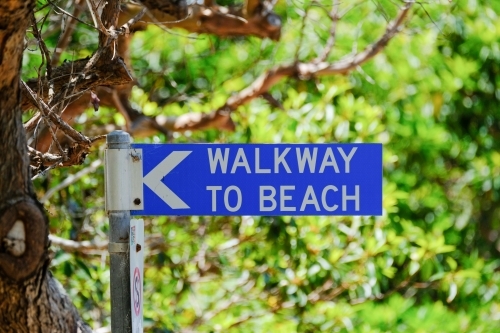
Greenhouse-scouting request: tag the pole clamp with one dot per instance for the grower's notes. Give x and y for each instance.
(117, 247)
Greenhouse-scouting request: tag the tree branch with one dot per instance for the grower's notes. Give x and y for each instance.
(94, 12)
(96, 247)
(70, 180)
(37, 159)
(334, 16)
(69, 245)
(65, 38)
(351, 62)
(221, 118)
(68, 130)
(268, 79)
(77, 77)
(76, 152)
(217, 20)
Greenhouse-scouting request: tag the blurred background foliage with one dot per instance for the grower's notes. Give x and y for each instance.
(429, 264)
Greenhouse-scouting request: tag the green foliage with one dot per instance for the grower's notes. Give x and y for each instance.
(429, 264)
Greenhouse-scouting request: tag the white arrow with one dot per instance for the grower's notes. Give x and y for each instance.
(154, 177)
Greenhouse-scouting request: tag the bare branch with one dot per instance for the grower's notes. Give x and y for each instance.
(221, 118)
(56, 119)
(39, 158)
(197, 121)
(109, 21)
(76, 151)
(70, 180)
(217, 20)
(126, 27)
(301, 34)
(65, 38)
(79, 76)
(70, 15)
(121, 108)
(334, 16)
(69, 245)
(45, 52)
(96, 246)
(302, 70)
(94, 12)
(351, 62)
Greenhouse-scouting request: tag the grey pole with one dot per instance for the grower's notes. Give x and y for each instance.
(118, 144)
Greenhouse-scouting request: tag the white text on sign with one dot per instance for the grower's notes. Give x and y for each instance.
(269, 198)
(220, 161)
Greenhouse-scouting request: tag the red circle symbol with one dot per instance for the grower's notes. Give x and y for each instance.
(137, 291)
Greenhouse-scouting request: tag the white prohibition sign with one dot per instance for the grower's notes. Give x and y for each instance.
(137, 292)
(136, 273)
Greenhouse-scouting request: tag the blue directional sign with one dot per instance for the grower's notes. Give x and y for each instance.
(261, 179)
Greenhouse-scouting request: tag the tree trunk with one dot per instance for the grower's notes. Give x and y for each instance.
(30, 299)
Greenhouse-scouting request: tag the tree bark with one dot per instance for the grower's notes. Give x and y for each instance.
(30, 299)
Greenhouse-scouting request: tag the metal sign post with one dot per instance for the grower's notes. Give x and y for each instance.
(117, 174)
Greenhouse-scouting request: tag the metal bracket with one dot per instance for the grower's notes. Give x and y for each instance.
(124, 184)
(136, 183)
(118, 247)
